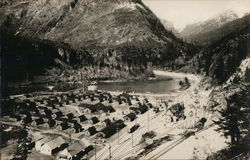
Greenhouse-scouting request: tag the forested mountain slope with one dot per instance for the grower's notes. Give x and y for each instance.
(215, 28)
(122, 35)
(221, 59)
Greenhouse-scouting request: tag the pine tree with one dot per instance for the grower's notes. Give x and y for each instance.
(234, 121)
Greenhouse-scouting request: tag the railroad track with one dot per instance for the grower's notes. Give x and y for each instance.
(180, 140)
(125, 144)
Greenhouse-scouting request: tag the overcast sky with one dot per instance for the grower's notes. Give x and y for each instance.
(183, 12)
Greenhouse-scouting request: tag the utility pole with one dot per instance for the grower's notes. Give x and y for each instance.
(148, 120)
(195, 115)
(70, 138)
(117, 129)
(132, 139)
(95, 149)
(68, 145)
(109, 151)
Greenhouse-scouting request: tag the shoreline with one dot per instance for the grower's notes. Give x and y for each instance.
(178, 75)
(170, 76)
(194, 79)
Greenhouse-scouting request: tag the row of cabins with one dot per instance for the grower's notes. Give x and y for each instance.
(109, 129)
(94, 108)
(48, 122)
(59, 100)
(56, 101)
(54, 119)
(138, 108)
(69, 98)
(61, 122)
(61, 149)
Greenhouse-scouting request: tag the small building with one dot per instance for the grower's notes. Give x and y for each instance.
(53, 146)
(109, 109)
(76, 99)
(72, 122)
(125, 96)
(143, 109)
(170, 117)
(106, 122)
(65, 102)
(27, 120)
(110, 100)
(63, 126)
(40, 142)
(145, 100)
(118, 100)
(137, 104)
(47, 111)
(111, 129)
(58, 104)
(94, 120)
(100, 107)
(129, 102)
(70, 115)
(74, 151)
(130, 117)
(51, 123)
(88, 108)
(57, 114)
(91, 131)
(81, 118)
(149, 105)
(38, 121)
(125, 111)
(89, 149)
(76, 128)
(71, 101)
(46, 101)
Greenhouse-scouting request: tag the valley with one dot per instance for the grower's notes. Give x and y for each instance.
(110, 79)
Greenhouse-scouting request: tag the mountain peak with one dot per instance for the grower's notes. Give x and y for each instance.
(206, 26)
(226, 16)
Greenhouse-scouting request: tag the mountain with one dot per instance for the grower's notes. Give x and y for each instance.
(206, 32)
(170, 27)
(119, 36)
(221, 59)
(226, 47)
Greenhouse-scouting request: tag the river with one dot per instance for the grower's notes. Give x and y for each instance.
(159, 85)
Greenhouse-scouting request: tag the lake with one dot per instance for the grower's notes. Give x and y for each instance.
(160, 85)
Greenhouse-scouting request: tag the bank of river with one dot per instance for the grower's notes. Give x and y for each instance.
(164, 84)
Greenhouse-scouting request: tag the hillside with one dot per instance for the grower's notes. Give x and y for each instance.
(170, 27)
(123, 36)
(220, 59)
(213, 29)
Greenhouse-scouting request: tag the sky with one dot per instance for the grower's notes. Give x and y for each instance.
(183, 12)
